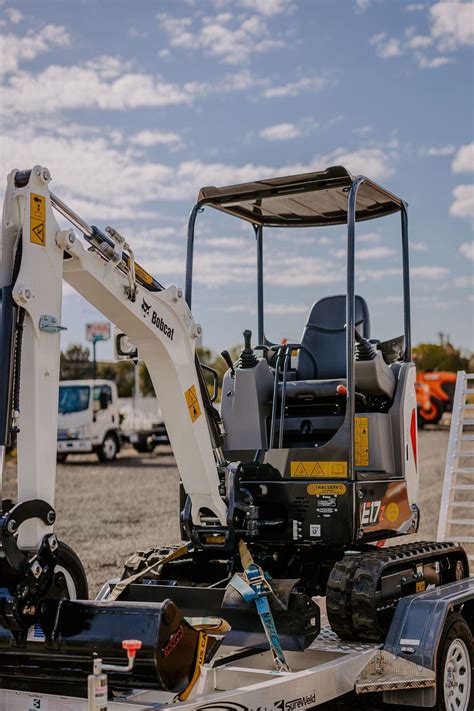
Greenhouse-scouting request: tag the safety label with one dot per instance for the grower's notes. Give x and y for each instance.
(361, 432)
(192, 403)
(326, 489)
(337, 470)
(37, 219)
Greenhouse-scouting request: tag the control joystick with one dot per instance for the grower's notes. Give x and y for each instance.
(247, 357)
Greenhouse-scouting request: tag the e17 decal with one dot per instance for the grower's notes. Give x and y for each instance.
(370, 512)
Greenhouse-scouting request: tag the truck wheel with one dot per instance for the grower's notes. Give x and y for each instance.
(61, 457)
(145, 447)
(455, 666)
(109, 448)
(71, 567)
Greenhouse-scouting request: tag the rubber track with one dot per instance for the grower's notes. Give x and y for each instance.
(354, 581)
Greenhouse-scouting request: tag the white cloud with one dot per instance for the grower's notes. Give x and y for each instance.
(376, 253)
(97, 152)
(268, 7)
(464, 281)
(281, 132)
(280, 309)
(363, 130)
(385, 47)
(14, 50)
(362, 5)
(230, 38)
(463, 204)
(419, 41)
(373, 162)
(379, 252)
(294, 88)
(370, 238)
(463, 161)
(429, 272)
(433, 62)
(467, 250)
(418, 246)
(106, 83)
(14, 15)
(437, 151)
(452, 24)
(148, 138)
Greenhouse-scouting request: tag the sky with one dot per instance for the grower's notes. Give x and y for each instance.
(133, 106)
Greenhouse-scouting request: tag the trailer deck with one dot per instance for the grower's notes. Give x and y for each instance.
(244, 679)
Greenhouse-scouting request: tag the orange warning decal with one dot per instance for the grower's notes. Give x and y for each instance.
(192, 403)
(37, 219)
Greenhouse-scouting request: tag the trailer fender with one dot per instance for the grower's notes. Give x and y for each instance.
(417, 629)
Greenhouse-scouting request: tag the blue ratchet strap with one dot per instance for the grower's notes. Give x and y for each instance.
(255, 588)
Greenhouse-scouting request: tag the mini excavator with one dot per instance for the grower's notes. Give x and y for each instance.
(285, 493)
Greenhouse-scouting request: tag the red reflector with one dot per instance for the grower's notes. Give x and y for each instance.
(413, 435)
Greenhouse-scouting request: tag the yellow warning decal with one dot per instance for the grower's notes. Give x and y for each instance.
(420, 586)
(337, 470)
(326, 489)
(361, 431)
(143, 275)
(192, 403)
(37, 219)
(392, 511)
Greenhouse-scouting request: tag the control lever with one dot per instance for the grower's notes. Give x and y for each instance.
(247, 356)
(228, 360)
(365, 350)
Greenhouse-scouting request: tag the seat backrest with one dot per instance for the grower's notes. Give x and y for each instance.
(325, 336)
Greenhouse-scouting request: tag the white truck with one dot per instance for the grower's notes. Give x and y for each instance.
(90, 419)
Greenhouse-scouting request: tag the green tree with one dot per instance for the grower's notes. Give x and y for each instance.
(430, 356)
(121, 372)
(75, 363)
(146, 386)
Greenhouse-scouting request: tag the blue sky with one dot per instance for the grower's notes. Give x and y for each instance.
(135, 105)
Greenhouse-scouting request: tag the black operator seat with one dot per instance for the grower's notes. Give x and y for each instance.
(325, 336)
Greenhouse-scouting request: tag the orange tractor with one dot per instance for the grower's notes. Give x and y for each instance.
(434, 394)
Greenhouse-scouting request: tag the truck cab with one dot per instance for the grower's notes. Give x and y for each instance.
(88, 419)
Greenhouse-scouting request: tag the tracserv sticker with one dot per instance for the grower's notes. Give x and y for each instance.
(326, 489)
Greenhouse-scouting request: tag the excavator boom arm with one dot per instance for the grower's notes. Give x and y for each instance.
(35, 256)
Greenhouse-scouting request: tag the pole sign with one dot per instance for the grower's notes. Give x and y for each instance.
(99, 331)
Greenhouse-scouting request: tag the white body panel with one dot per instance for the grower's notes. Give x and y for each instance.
(169, 353)
(410, 437)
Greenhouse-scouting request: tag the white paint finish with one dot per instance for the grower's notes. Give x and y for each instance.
(170, 361)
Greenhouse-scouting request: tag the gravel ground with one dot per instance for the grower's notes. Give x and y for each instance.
(105, 512)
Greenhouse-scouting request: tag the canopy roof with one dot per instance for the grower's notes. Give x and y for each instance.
(309, 199)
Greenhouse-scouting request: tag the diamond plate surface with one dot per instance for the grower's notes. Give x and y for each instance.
(328, 641)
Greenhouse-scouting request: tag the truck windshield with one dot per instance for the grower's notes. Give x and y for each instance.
(73, 398)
